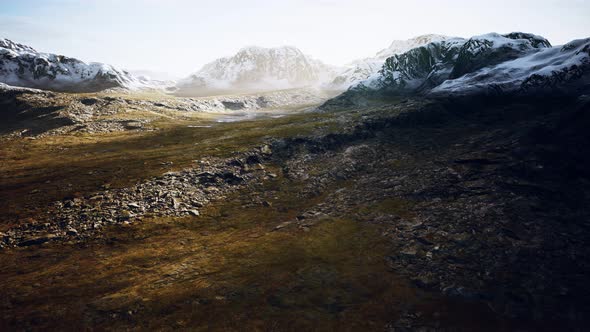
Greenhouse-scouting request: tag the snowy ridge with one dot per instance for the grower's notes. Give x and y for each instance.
(402, 46)
(9, 88)
(362, 69)
(255, 69)
(9, 44)
(493, 48)
(563, 70)
(21, 65)
(427, 66)
(416, 69)
(518, 63)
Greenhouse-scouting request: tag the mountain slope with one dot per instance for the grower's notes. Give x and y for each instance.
(255, 69)
(416, 69)
(425, 67)
(511, 64)
(560, 70)
(22, 65)
(362, 69)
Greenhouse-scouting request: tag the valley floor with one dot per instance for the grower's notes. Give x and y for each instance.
(406, 215)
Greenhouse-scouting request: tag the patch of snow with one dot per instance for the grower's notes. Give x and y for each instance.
(5, 87)
(557, 65)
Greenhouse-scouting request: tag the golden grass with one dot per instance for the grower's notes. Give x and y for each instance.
(55, 167)
(226, 270)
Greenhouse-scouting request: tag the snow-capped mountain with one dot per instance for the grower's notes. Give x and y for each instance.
(492, 64)
(22, 65)
(255, 69)
(417, 69)
(361, 69)
(556, 70)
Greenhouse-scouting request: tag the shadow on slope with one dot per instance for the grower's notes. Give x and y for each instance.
(16, 115)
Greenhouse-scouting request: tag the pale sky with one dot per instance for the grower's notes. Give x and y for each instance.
(179, 36)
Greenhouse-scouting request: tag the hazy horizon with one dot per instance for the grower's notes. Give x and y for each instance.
(178, 36)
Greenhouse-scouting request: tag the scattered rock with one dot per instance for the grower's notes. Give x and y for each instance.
(89, 101)
(35, 240)
(72, 232)
(134, 205)
(266, 150)
(125, 214)
(283, 225)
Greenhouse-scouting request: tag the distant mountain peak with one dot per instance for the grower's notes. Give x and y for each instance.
(23, 66)
(9, 44)
(261, 49)
(255, 69)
